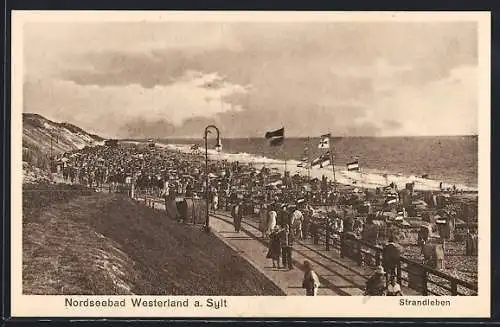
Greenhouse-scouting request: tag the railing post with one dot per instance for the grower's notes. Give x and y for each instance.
(424, 283)
(316, 234)
(327, 237)
(398, 272)
(342, 240)
(454, 287)
(192, 213)
(360, 254)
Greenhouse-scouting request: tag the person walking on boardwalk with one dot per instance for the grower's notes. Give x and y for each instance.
(311, 280)
(306, 224)
(215, 199)
(263, 220)
(237, 216)
(394, 289)
(282, 218)
(274, 252)
(375, 285)
(286, 247)
(297, 218)
(390, 258)
(271, 221)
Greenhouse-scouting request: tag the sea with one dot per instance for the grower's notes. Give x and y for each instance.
(451, 159)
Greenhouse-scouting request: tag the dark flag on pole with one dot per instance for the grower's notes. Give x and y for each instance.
(276, 137)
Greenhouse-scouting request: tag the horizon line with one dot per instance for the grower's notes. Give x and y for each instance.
(297, 137)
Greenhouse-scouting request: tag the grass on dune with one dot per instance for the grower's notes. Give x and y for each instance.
(86, 243)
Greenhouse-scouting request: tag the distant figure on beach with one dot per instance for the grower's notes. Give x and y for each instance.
(311, 280)
(237, 216)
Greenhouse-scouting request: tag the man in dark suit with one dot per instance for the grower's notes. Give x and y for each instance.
(390, 258)
(286, 247)
(237, 214)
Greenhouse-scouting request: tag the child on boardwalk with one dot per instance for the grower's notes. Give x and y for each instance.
(310, 281)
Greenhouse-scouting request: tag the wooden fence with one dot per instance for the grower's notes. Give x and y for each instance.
(424, 279)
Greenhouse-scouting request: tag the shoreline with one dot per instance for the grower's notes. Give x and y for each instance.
(369, 179)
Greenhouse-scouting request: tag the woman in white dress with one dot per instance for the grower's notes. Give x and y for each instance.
(271, 221)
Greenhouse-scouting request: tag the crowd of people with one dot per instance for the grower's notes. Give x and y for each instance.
(290, 207)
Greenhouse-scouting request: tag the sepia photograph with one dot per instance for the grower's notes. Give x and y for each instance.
(188, 161)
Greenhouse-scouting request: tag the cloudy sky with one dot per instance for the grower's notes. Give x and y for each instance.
(166, 79)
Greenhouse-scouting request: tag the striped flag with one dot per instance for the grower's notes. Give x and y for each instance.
(353, 166)
(276, 138)
(322, 161)
(324, 142)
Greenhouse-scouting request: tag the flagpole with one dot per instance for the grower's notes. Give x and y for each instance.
(359, 169)
(309, 158)
(282, 148)
(333, 163)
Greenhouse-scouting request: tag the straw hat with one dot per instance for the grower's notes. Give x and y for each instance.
(380, 270)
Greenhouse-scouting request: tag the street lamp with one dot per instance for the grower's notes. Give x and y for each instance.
(218, 147)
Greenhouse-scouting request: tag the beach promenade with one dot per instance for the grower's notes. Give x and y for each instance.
(338, 276)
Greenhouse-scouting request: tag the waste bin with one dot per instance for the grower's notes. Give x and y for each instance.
(196, 210)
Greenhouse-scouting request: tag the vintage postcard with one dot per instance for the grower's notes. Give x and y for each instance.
(250, 164)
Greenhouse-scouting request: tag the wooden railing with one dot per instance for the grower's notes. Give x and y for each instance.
(422, 278)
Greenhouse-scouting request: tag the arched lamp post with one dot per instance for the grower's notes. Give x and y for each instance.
(218, 147)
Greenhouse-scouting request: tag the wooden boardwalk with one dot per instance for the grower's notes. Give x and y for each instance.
(338, 276)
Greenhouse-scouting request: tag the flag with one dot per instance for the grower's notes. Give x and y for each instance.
(324, 143)
(322, 161)
(353, 166)
(276, 137)
(195, 147)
